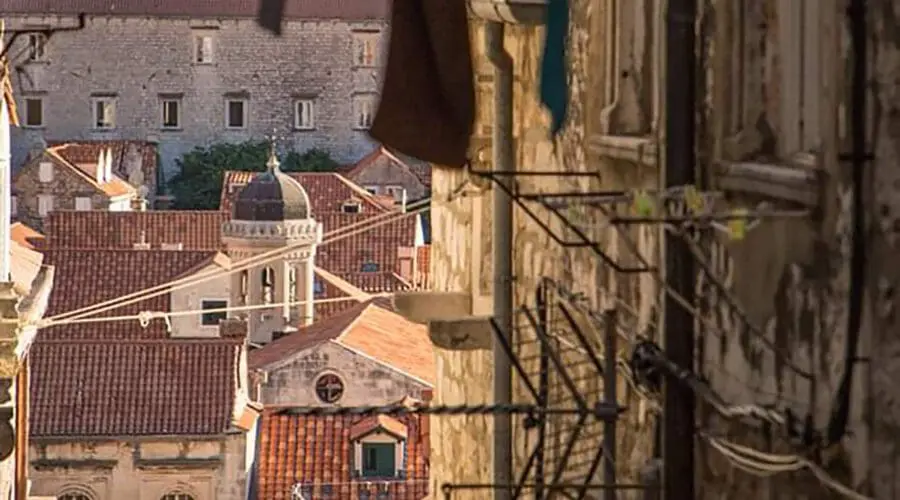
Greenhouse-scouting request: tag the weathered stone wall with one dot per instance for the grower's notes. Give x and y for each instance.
(65, 187)
(144, 58)
(143, 469)
(366, 381)
(461, 256)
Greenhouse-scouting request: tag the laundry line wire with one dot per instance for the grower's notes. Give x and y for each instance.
(144, 317)
(204, 276)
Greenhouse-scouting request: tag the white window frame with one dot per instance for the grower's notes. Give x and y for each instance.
(106, 101)
(304, 114)
(372, 189)
(28, 102)
(395, 190)
(14, 205)
(84, 203)
(363, 111)
(351, 207)
(245, 115)
(365, 49)
(45, 172)
(203, 48)
(203, 307)
(45, 204)
(163, 103)
(37, 47)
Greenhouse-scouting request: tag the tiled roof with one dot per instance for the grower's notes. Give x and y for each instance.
(327, 191)
(136, 388)
(102, 229)
(375, 282)
(294, 9)
(375, 331)
(85, 152)
(84, 278)
(88, 172)
(373, 244)
(420, 169)
(316, 451)
(24, 235)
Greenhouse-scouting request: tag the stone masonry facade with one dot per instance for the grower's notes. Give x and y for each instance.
(147, 60)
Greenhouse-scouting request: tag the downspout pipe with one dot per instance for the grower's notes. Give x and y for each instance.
(503, 165)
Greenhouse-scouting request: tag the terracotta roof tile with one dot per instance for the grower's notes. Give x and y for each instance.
(102, 229)
(327, 191)
(374, 423)
(88, 172)
(24, 235)
(368, 328)
(294, 9)
(84, 152)
(374, 245)
(316, 450)
(84, 278)
(103, 388)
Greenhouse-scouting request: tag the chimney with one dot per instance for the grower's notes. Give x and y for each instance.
(403, 201)
(100, 170)
(139, 204)
(142, 244)
(233, 328)
(107, 174)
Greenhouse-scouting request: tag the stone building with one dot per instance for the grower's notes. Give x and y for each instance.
(366, 355)
(774, 124)
(50, 181)
(188, 74)
(385, 173)
(153, 407)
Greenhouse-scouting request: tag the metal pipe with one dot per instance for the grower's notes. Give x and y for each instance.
(610, 396)
(503, 160)
(678, 335)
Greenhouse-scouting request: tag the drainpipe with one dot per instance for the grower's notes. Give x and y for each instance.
(5, 188)
(502, 163)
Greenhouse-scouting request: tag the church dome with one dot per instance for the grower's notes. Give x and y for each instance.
(272, 196)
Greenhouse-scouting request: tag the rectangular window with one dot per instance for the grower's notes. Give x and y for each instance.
(45, 171)
(365, 49)
(37, 46)
(83, 203)
(318, 287)
(45, 204)
(236, 113)
(203, 49)
(215, 314)
(350, 208)
(379, 460)
(304, 114)
(363, 111)
(371, 189)
(14, 205)
(396, 192)
(369, 267)
(104, 113)
(34, 112)
(170, 110)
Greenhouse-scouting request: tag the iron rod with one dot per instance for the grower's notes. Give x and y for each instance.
(609, 394)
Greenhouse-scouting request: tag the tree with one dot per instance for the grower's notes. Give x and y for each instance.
(198, 184)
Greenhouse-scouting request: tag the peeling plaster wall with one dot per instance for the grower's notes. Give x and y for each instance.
(790, 277)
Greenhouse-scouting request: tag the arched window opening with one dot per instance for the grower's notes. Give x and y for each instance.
(292, 285)
(245, 287)
(268, 285)
(177, 496)
(74, 495)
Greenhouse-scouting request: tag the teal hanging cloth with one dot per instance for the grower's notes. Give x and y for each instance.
(554, 79)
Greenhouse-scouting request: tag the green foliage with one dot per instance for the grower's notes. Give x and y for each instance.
(198, 185)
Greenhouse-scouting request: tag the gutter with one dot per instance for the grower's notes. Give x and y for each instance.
(503, 162)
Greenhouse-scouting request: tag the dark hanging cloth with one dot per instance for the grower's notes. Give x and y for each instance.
(427, 107)
(554, 83)
(270, 15)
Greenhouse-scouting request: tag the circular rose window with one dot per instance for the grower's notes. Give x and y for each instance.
(329, 388)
